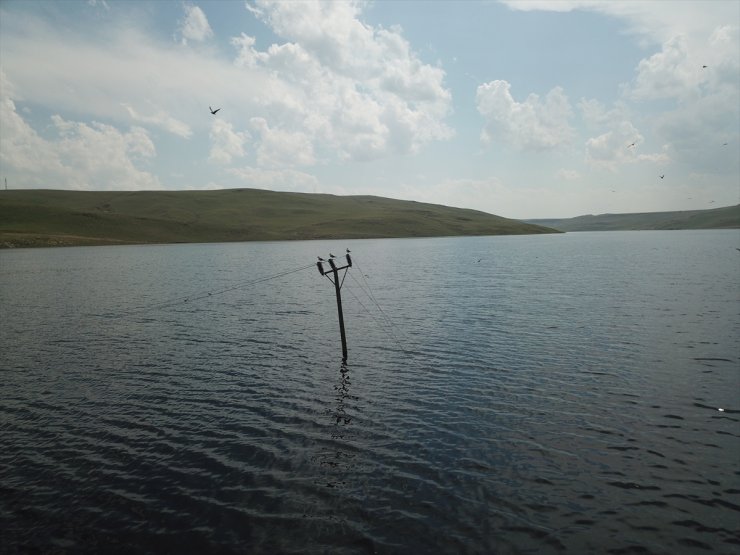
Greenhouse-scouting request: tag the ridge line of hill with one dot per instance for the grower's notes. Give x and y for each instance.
(726, 217)
(49, 217)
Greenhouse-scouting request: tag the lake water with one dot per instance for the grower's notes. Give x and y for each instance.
(574, 393)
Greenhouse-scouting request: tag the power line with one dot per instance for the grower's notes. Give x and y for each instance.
(372, 297)
(387, 325)
(385, 329)
(207, 294)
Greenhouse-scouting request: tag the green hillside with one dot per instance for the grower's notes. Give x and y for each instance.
(51, 217)
(716, 218)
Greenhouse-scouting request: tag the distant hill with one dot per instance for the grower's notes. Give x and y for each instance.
(716, 218)
(37, 217)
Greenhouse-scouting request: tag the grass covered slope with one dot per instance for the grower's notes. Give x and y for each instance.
(51, 217)
(716, 218)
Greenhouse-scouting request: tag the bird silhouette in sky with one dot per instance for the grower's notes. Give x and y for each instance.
(662, 176)
(630, 146)
(704, 67)
(213, 111)
(724, 144)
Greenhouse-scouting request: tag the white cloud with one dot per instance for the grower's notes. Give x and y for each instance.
(691, 33)
(533, 124)
(226, 143)
(161, 119)
(76, 72)
(694, 108)
(615, 147)
(195, 26)
(723, 58)
(707, 112)
(354, 91)
(596, 115)
(656, 21)
(568, 175)
(277, 148)
(276, 180)
(696, 133)
(95, 156)
(670, 73)
(358, 90)
(95, 3)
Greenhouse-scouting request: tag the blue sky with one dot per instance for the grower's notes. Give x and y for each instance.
(524, 109)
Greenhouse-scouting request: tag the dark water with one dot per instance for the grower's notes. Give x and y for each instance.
(540, 394)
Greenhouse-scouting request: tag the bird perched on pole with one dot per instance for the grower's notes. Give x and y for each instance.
(331, 255)
(320, 259)
(348, 251)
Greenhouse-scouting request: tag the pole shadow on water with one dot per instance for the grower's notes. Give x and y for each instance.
(342, 394)
(336, 517)
(337, 457)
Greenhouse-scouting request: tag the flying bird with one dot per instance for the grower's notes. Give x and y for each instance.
(630, 146)
(213, 111)
(704, 67)
(662, 176)
(724, 144)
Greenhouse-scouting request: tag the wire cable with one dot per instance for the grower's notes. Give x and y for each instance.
(371, 296)
(390, 334)
(208, 294)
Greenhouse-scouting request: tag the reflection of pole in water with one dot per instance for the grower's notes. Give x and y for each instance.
(336, 457)
(342, 389)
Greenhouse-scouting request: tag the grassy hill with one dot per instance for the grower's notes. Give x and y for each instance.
(716, 218)
(54, 218)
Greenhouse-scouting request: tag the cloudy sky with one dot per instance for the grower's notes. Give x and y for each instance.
(523, 109)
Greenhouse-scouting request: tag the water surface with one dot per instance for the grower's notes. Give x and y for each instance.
(531, 394)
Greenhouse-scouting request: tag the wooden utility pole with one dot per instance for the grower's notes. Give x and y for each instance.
(338, 289)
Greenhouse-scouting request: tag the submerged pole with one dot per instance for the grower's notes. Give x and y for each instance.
(338, 290)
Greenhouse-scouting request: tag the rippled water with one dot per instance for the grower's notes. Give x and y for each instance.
(537, 394)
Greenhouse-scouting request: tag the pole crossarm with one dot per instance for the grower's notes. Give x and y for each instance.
(332, 265)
